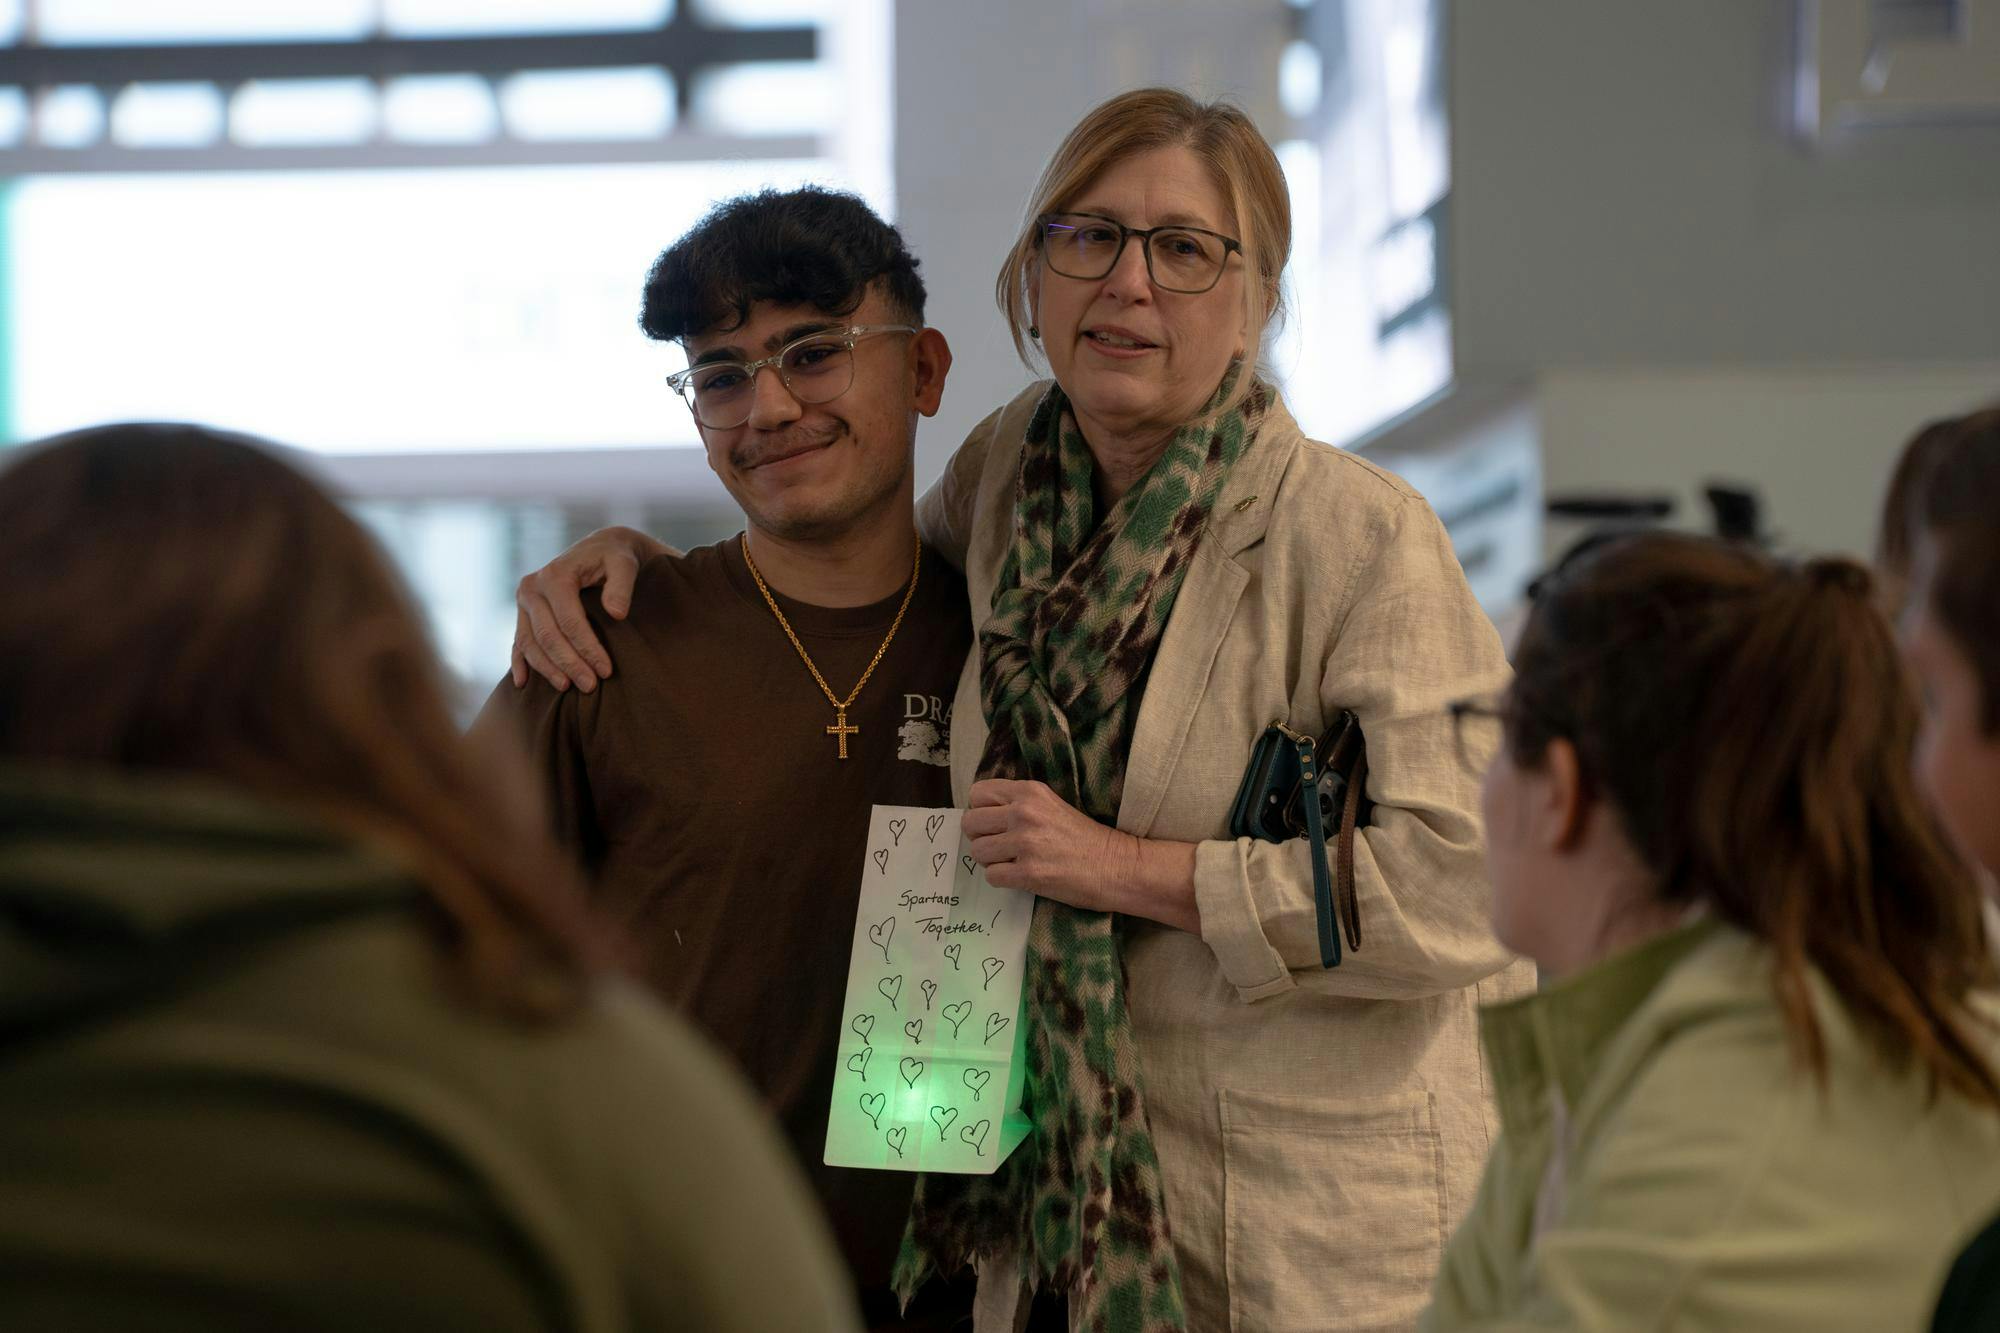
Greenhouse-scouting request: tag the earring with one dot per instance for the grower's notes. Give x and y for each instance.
(1035, 332)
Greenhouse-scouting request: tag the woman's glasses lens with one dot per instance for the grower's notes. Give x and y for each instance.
(1082, 247)
(1185, 260)
(1079, 246)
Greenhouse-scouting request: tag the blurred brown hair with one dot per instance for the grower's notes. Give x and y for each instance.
(1750, 723)
(185, 601)
(1941, 531)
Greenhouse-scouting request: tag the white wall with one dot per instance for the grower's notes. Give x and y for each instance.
(1627, 190)
(1683, 288)
(1818, 444)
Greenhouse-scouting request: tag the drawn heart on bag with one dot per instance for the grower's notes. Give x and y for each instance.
(897, 1137)
(991, 967)
(858, 1061)
(881, 860)
(897, 827)
(880, 935)
(942, 1116)
(956, 1014)
(937, 862)
(864, 1024)
(914, 1029)
(871, 1106)
(911, 1069)
(971, 866)
(929, 989)
(932, 825)
(994, 1023)
(951, 952)
(976, 1080)
(891, 988)
(976, 1136)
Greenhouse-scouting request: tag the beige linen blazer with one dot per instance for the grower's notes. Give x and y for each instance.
(1320, 1132)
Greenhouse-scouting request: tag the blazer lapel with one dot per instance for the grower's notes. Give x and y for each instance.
(1201, 618)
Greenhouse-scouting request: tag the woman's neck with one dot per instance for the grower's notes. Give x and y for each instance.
(1122, 458)
(1626, 925)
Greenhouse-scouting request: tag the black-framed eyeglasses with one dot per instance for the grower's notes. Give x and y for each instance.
(817, 368)
(1478, 725)
(1178, 259)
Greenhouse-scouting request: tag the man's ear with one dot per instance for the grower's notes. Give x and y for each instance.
(933, 363)
(1565, 805)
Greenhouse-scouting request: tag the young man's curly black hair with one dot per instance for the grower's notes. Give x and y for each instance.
(808, 246)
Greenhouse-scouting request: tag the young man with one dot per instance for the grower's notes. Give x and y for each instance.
(773, 687)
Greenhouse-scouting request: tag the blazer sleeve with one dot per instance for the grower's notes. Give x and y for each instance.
(1411, 640)
(944, 512)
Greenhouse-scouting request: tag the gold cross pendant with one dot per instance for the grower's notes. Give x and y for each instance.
(843, 731)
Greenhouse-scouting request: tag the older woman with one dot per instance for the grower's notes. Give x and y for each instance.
(1160, 563)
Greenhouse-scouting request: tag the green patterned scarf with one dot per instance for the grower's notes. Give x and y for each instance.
(1078, 612)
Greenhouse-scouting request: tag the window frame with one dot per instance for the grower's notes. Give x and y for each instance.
(685, 47)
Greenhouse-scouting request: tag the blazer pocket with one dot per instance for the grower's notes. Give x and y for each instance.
(1333, 1212)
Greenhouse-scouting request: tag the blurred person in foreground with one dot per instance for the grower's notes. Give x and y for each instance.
(300, 1023)
(1756, 1092)
(1943, 513)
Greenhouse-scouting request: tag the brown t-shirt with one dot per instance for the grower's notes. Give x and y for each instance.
(700, 787)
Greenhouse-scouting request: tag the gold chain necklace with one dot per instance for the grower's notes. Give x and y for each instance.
(839, 729)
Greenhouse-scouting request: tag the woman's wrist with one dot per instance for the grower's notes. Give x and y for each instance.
(1157, 881)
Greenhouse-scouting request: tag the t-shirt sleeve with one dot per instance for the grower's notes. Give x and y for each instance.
(547, 726)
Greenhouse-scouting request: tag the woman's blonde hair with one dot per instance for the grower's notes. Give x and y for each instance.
(1238, 159)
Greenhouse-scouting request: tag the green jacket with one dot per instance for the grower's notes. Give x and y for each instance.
(235, 1094)
(1665, 1164)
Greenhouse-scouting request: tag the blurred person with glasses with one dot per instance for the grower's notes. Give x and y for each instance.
(773, 687)
(1162, 563)
(1758, 1089)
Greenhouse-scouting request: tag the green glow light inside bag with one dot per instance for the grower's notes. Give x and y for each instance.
(933, 1044)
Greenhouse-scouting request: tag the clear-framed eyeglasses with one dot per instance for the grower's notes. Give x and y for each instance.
(817, 368)
(1178, 259)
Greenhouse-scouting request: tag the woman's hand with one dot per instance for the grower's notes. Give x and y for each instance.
(552, 636)
(1031, 839)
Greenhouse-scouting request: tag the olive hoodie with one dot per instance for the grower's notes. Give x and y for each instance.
(237, 1093)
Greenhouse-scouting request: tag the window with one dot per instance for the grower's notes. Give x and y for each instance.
(409, 236)
(1370, 178)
